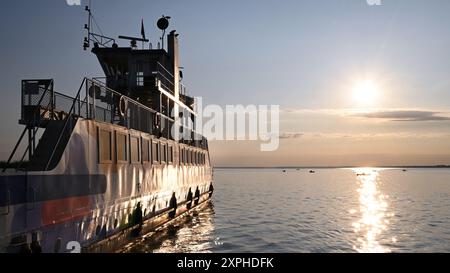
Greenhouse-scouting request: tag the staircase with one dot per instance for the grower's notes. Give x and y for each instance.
(51, 146)
(57, 114)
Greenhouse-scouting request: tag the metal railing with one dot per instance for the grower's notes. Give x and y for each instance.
(100, 103)
(107, 105)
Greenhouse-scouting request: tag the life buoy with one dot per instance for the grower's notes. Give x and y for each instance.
(123, 105)
(157, 125)
(157, 121)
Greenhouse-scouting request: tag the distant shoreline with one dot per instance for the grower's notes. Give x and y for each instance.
(338, 167)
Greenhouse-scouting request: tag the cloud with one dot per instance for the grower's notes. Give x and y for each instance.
(73, 2)
(392, 114)
(289, 135)
(364, 136)
(405, 115)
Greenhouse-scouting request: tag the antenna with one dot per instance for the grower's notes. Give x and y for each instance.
(97, 39)
(134, 40)
(163, 24)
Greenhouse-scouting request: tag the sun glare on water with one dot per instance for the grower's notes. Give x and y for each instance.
(373, 211)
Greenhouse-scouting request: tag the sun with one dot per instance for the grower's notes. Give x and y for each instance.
(365, 93)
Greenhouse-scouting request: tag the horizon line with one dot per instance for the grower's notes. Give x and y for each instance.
(330, 167)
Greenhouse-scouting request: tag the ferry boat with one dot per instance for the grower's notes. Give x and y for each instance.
(114, 161)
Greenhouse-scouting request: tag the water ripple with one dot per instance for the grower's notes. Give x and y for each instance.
(334, 210)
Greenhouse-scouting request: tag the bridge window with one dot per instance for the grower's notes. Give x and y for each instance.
(134, 150)
(104, 146)
(145, 150)
(122, 148)
(140, 78)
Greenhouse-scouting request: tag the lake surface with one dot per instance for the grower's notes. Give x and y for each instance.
(332, 210)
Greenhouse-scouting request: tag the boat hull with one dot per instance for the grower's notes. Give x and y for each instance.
(87, 200)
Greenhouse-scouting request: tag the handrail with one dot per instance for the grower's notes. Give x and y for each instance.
(36, 111)
(168, 72)
(69, 116)
(95, 81)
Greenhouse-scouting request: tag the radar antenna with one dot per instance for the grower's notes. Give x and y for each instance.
(163, 24)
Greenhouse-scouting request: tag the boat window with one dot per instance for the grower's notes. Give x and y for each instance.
(122, 150)
(170, 155)
(181, 156)
(155, 152)
(134, 150)
(104, 146)
(145, 150)
(163, 152)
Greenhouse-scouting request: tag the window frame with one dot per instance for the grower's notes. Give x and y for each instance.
(99, 150)
(149, 156)
(156, 160)
(138, 161)
(169, 154)
(163, 152)
(127, 157)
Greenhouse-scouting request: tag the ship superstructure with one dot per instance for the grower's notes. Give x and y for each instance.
(111, 161)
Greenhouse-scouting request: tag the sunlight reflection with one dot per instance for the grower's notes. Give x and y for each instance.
(194, 234)
(373, 208)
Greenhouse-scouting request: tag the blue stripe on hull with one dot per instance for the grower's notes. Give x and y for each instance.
(49, 187)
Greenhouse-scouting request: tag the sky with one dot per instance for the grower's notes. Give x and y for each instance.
(309, 57)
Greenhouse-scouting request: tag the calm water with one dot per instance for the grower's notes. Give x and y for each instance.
(333, 210)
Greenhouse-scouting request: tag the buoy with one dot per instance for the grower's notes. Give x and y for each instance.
(123, 105)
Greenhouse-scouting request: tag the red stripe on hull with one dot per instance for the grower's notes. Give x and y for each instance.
(63, 210)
